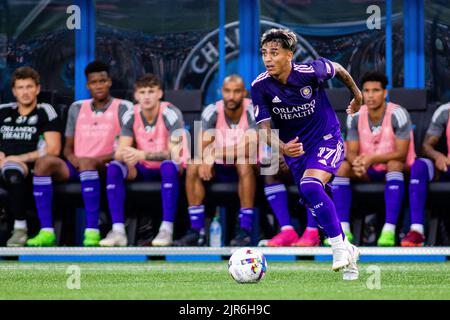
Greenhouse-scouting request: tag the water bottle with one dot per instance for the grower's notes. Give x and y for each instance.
(215, 233)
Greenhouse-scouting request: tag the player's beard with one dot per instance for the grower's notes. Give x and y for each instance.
(232, 105)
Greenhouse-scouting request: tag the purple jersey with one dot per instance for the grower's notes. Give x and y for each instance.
(299, 108)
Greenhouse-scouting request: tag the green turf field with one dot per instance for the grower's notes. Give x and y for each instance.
(210, 280)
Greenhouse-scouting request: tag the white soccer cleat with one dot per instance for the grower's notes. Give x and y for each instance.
(341, 258)
(163, 239)
(351, 271)
(114, 239)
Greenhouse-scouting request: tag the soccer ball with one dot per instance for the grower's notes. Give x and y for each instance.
(247, 265)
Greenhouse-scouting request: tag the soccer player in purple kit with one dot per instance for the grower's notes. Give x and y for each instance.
(293, 97)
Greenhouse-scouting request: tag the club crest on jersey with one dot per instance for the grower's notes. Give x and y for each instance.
(33, 120)
(306, 92)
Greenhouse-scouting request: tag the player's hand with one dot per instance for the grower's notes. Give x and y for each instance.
(205, 171)
(358, 166)
(293, 148)
(442, 163)
(131, 155)
(355, 105)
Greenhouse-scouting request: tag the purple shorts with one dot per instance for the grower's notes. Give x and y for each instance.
(147, 174)
(225, 173)
(326, 155)
(74, 175)
(376, 176)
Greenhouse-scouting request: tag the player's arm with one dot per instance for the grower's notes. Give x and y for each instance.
(400, 153)
(352, 151)
(69, 145)
(53, 147)
(441, 161)
(342, 74)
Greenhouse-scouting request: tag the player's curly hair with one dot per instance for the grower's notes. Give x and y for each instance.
(147, 80)
(375, 76)
(96, 66)
(285, 37)
(25, 73)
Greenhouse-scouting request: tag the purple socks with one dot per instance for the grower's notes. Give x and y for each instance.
(246, 218)
(422, 171)
(197, 217)
(43, 195)
(115, 190)
(342, 197)
(393, 195)
(277, 197)
(90, 189)
(321, 206)
(169, 189)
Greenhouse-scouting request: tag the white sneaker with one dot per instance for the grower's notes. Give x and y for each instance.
(163, 239)
(341, 258)
(114, 239)
(351, 271)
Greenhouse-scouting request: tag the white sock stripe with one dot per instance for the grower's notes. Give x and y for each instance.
(12, 166)
(88, 173)
(341, 181)
(311, 181)
(88, 177)
(42, 180)
(394, 175)
(272, 190)
(196, 209)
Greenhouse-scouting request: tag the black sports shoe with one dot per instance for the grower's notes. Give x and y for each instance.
(191, 238)
(242, 239)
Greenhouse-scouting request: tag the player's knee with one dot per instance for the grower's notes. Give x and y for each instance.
(44, 166)
(245, 170)
(169, 167)
(310, 187)
(117, 169)
(395, 165)
(13, 176)
(345, 169)
(192, 172)
(421, 168)
(88, 164)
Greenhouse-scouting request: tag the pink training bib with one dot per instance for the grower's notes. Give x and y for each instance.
(447, 132)
(384, 140)
(95, 132)
(157, 138)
